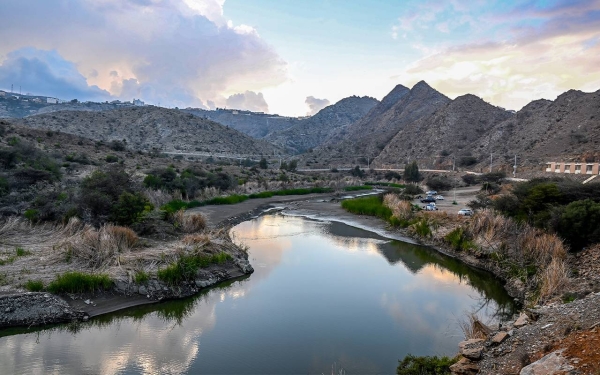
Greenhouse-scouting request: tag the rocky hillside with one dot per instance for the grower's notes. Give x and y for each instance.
(450, 132)
(147, 128)
(11, 107)
(256, 125)
(369, 136)
(566, 128)
(311, 132)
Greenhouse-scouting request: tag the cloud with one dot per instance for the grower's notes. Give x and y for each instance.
(178, 52)
(47, 73)
(542, 53)
(248, 100)
(315, 104)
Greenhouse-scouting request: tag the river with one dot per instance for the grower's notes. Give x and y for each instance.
(324, 295)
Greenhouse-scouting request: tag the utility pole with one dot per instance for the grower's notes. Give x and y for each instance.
(453, 163)
(515, 168)
(491, 162)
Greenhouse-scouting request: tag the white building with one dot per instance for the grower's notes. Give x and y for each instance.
(138, 102)
(51, 100)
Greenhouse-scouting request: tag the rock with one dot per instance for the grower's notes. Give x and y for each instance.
(472, 353)
(553, 363)
(464, 366)
(499, 337)
(121, 286)
(87, 301)
(522, 321)
(469, 343)
(143, 290)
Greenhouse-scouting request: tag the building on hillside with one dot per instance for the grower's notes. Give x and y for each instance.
(3, 93)
(138, 102)
(573, 168)
(51, 100)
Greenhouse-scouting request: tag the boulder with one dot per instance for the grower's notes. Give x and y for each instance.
(469, 343)
(553, 363)
(464, 367)
(499, 338)
(522, 321)
(472, 353)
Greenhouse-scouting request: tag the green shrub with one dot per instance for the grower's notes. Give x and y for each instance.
(421, 228)
(372, 206)
(411, 172)
(580, 224)
(130, 208)
(141, 277)
(111, 159)
(4, 186)
(31, 214)
(22, 252)
(459, 239)
(34, 285)
(439, 183)
(412, 365)
(186, 266)
(79, 282)
(412, 189)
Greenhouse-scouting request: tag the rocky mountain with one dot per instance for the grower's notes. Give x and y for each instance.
(147, 128)
(312, 131)
(450, 132)
(15, 106)
(567, 128)
(256, 125)
(367, 137)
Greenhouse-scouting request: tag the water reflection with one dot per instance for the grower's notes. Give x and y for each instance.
(322, 293)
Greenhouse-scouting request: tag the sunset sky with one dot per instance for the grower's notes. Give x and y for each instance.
(294, 57)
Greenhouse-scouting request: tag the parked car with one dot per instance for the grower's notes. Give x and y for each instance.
(466, 212)
(431, 192)
(428, 199)
(439, 197)
(430, 207)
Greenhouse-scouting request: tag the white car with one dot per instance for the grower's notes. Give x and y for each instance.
(466, 212)
(431, 192)
(439, 197)
(431, 207)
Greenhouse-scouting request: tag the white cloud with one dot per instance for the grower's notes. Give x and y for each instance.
(315, 104)
(178, 52)
(248, 100)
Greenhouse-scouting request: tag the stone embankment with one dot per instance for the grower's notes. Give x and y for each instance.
(560, 338)
(31, 309)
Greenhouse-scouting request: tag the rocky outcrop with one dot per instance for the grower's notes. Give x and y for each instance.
(551, 364)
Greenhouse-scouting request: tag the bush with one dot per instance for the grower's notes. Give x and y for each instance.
(439, 183)
(141, 277)
(118, 145)
(459, 239)
(130, 208)
(357, 172)
(100, 192)
(580, 224)
(111, 159)
(412, 189)
(262, 164)
(4, 186)
(466, 161)
(470, 179)
(79, 282)
(186, 266)
(34, 285)
(372, 206)
(390, 175)
(412, 365)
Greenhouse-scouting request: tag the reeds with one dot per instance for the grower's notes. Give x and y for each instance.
(473, 328)
(553, 279)
(540, 247)
(189, 223)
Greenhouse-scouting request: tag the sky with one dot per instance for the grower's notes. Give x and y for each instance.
(295, 57)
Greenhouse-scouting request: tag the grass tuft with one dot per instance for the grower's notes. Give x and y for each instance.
(34, 285)
(141, 277)
(186, 266)
(79, 282)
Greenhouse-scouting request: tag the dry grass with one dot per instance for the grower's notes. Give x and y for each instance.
(98, 248)
(158, 198)
(540, 247)
(189, 223)
(473, 328)
(491, 227)
(553, 279)
(196, 239)
(400, 209)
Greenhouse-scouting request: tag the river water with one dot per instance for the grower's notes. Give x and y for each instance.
(324, 295)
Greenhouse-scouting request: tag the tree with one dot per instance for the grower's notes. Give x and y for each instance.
(293, 165)
(580, 224)
(263, 163)
(411, 172)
